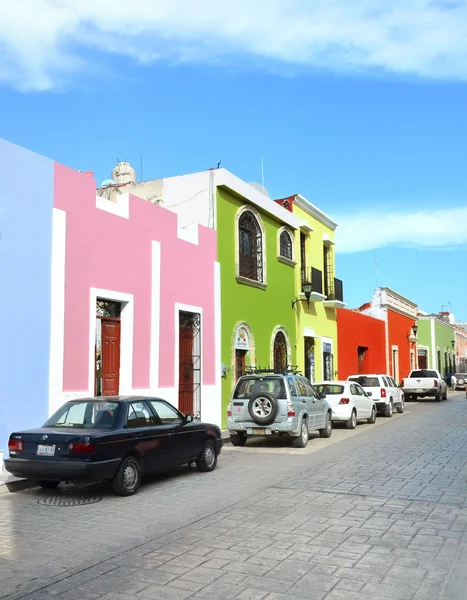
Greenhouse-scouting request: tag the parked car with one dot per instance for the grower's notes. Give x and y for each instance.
(383, 390)
(265, 403)
(112, 438)
(349, 402)
(461, 381)
(422, 383)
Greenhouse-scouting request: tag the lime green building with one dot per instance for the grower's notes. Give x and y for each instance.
(436, 344)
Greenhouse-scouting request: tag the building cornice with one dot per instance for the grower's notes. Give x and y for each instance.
(436, 320)
(265, 204)
(315, 212)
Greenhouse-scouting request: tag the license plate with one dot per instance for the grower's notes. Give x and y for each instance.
(45, 450)
(259, 431)
(420, 391)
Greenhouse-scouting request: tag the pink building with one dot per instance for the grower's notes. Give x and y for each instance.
(135, 301)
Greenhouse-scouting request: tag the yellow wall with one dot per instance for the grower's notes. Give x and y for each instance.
(320, 319)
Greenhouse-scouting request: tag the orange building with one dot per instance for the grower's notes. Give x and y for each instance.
(361, 343)
(400, 320)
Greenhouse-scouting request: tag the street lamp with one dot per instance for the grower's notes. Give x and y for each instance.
(415, 329)
(307, 288)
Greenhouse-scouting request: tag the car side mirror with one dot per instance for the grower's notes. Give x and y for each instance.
(188, 419)
(369, 394)
(321, 395)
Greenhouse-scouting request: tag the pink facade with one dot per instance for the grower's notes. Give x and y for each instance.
(115, 252)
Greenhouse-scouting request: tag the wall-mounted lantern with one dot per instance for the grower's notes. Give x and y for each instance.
(307, 288)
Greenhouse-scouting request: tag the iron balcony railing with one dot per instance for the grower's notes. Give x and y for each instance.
(315, 277)
(336, 290)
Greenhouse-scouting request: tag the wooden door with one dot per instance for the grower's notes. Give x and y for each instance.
(110, 357)
(240, 363)
(186, 369)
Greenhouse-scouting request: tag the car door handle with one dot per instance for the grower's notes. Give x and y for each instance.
(139, 435)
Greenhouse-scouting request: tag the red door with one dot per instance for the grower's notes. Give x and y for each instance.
(110, 357)
(186, 370)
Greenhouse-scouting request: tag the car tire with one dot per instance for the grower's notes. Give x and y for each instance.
(445, 397)
(301, 440)
(388, 411)
(266, 402)
(238, 439)
(401, 407)
(207, 460)
(438, 397)
(128, 477)
(352, 422)
(327, 431)
(48, 485)
(372, 419)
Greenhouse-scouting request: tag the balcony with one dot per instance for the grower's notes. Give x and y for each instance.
(335, 294)
(315, 276)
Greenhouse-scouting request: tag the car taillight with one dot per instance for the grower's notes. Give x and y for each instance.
(229, 410)
(383, 393)
(81, 447)
(16, 445)
(290, 410)
(344, 401)
(436, 383)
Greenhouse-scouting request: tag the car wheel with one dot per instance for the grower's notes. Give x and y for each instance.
(445, 397)
(389, 409)
(438, 397)
(372, 419)
(128, 477)
(302, 440)
(263, 408)
(401, 407)
(48, 485)
(238, 439)
(352, 422)
(207, 460)
(327, 431)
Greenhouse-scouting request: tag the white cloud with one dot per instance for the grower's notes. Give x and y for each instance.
(43, 42)
(424, 229)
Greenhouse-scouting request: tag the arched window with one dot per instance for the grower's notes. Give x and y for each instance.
(250, 247)
(280, 353)
(285, 245)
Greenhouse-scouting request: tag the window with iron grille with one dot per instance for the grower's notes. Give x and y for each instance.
(250, 247)
(285, 246)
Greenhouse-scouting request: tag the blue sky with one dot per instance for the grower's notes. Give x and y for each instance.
(361, 110)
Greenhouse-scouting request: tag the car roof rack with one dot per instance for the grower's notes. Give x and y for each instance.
(289, 370)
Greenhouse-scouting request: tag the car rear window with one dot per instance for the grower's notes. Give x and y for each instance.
(330, 390)
(366, 381)
(86, 414)
(424, 373)
(247, 386)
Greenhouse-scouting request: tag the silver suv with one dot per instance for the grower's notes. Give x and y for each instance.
(267, 403)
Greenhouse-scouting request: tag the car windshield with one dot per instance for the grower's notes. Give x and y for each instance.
(330, 390)
(88, 414)
(366, 381)
(461, 375)
(424, 373)
(253, 385)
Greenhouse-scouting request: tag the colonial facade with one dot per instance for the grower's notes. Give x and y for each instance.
(257, 255)
(318, 293)
(400, 316)
(114, 301)
(436, 344)
(361, 343)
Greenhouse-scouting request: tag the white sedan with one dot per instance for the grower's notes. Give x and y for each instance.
(349, 402)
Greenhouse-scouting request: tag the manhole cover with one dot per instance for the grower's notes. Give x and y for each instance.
(69, 500)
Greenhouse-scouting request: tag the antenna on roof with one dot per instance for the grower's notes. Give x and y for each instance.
(262, 169)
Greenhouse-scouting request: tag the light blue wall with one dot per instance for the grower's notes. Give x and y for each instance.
(26, 203)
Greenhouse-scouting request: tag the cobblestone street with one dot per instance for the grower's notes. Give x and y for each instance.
(372, 514)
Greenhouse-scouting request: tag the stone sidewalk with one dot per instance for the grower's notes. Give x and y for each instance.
(379, 515)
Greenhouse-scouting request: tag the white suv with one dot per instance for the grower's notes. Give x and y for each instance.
(384, 391)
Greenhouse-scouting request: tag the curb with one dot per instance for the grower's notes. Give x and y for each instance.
(15, 484)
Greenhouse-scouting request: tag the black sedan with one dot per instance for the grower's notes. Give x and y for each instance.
(112, 438)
